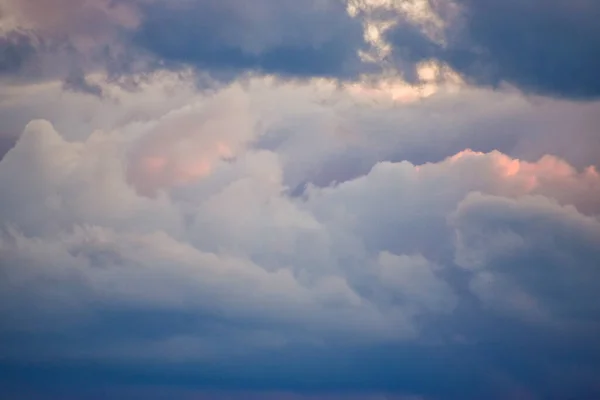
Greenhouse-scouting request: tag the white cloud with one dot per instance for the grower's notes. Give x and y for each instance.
(251, 263)
(55, 184)
(247, 251)
(365, 258)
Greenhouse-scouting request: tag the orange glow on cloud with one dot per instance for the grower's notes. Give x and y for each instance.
(512, 168)
(465, 153)
(171, 168)
(539, 176)
(191, 171)
(224, 150)
(155, 164)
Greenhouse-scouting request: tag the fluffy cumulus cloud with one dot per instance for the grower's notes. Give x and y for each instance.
(215, 232)
(298, 200)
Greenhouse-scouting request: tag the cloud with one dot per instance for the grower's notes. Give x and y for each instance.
(317, 199)
(176, 242)
(79, 83)
(529, 255)
(354, 126)
(223, 39)
(547, 53)
(309, 236)
(489, 43)
(314, 38)
(539, 46)
(69, 39)
(69, 17)
(15, 50)
(105, 227)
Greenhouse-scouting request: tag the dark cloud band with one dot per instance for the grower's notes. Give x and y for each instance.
(542, 47)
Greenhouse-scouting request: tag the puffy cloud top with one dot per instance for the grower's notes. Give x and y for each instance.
(178, 242)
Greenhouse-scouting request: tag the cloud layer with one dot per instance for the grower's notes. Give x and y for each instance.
(540, 47)
(200, 237)
(306, 200)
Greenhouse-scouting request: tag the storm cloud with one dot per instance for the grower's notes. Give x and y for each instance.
(541, 47)
(314, 38)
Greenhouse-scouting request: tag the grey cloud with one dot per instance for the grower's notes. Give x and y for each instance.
(71, 36)
(542, 47)
(6, 143)
(16, 49)
(224, 39)
(530, 256)
(313, 38)
(77, 82)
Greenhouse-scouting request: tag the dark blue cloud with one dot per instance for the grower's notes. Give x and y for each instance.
(7, 142)
(545, 47)
(472, 353)
(507, 362)
(286, 38)
(16, 48)
(542, 47)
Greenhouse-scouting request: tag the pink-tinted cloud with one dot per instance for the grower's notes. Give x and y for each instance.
(162, 229)
(70, 18)
(187, 144)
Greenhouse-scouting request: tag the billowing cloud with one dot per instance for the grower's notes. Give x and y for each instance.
(158, 227)
(304, 200)
(207, 256)
(529, 256)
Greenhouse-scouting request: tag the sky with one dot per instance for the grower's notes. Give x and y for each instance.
(299, 200)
